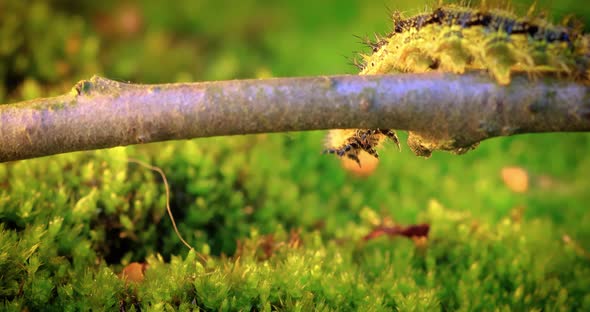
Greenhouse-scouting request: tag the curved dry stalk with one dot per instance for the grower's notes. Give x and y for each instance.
(167, 188)
(453, 110)
(202, 257)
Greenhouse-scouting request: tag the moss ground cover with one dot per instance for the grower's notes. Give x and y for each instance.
(281, 224)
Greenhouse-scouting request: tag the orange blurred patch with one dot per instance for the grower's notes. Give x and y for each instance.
(516, 179)
(126, 21)
(368, 165)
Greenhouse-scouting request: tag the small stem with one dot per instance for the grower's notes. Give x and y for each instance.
(465, 109)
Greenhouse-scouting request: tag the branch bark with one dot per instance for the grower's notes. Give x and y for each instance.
(457, 110)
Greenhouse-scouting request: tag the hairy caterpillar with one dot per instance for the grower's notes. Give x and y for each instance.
(454, 38)
(351, 142)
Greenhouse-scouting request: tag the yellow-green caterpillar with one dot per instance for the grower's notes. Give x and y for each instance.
(454, 38)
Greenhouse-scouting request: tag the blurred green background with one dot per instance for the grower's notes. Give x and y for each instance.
(71, 222)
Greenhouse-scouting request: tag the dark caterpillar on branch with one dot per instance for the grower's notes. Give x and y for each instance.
(454, 38)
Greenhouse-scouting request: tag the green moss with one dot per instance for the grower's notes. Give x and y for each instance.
(477, 257)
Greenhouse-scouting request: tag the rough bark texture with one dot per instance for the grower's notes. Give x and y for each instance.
(446, 111)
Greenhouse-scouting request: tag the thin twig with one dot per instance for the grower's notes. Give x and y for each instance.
(167, 188)
(158, 170)
(449, 111)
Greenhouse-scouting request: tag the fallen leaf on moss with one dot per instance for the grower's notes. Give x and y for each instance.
(134, 272)
(410, 231)
(516, 179)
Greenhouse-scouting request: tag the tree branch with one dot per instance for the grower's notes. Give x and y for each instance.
(451, 111)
